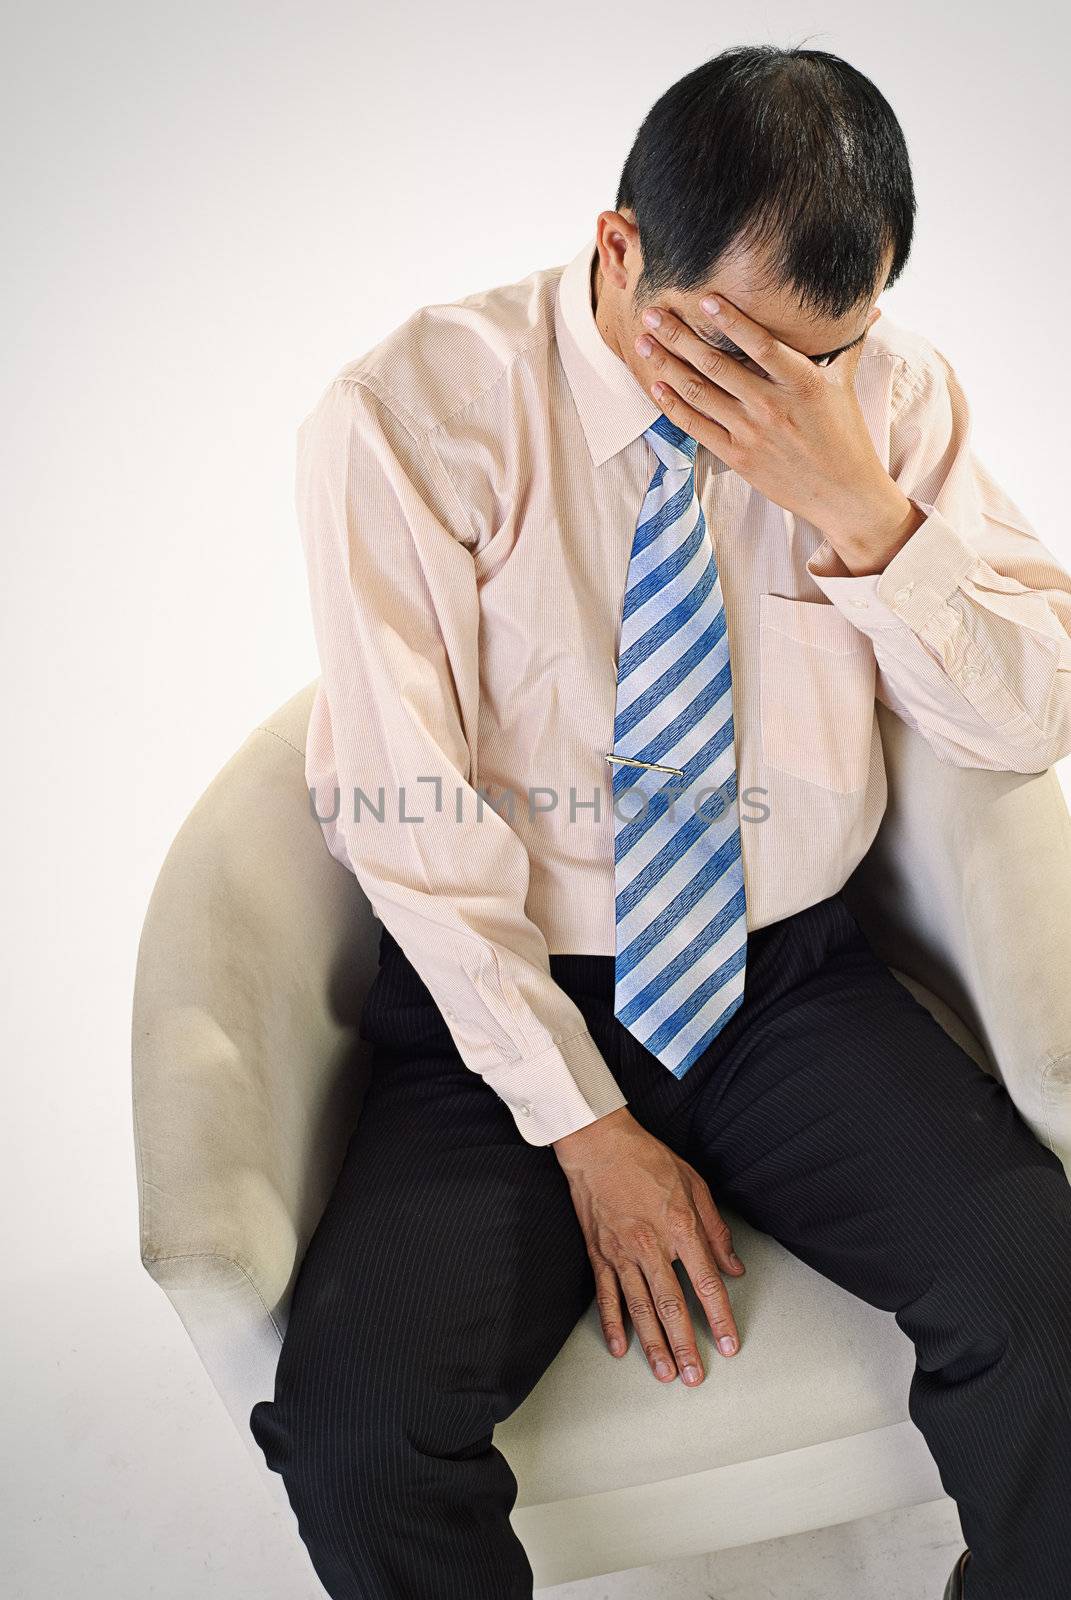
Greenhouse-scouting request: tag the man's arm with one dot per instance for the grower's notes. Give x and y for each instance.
(971, 618)
(395, 613)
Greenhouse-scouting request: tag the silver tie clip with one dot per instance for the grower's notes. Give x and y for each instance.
(656, 766)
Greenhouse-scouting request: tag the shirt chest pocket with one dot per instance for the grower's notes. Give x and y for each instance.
(817, 678)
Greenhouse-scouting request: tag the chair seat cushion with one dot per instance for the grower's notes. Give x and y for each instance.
(816, 1363)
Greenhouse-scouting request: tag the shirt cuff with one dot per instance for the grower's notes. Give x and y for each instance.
(914, 587)
(559, 1090)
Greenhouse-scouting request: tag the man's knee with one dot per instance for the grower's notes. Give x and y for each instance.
(1003, 1279)
(361, 1432)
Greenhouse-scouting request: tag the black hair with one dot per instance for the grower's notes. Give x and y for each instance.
(791, 152)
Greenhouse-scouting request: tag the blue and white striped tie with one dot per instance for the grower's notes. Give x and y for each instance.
(678, 876)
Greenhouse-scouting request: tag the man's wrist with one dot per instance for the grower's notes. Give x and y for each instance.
(868, 541)
(574, 1146)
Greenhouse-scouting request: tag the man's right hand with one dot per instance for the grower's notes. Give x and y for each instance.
(641, 1206)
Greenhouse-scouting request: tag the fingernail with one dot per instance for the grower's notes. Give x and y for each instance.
(735, 1259)
(692, 1374)
(653, 319)
(617, 1346)
(710, 306)
(726, 1345)
(663, 1369)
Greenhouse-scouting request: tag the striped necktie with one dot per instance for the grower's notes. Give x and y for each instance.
(678, 875)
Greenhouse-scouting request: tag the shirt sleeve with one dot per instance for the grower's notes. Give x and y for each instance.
(395, 614)
(971, 619)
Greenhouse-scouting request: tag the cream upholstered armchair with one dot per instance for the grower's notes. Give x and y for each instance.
(255, 957)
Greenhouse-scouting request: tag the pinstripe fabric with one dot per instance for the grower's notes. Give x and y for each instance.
(466, 492)
(679, 881)
(832, 1112)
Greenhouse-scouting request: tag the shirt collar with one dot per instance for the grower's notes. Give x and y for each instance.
(613, 407)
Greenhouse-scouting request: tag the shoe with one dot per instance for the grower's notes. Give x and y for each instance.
(954, 1589)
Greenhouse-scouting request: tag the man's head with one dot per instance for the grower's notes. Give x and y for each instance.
(778, 177)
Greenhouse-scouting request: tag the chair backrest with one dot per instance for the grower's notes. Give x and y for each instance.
(967, 887)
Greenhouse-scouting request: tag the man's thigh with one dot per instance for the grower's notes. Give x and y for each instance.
(448, 1267)
(848, 1125)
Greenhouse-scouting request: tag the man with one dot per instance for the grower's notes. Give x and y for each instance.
(604, 602)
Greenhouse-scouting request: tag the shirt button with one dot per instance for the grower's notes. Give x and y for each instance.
(860, 602)
(970, 674)
(904, 593)
(526, 1109)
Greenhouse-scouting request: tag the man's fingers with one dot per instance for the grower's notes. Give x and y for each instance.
(673, 1314)
(646, 1321)
(608, 1300)
(717, 1229)
(707, 1283)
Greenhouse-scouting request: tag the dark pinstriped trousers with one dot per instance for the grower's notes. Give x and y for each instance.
(833, 1112)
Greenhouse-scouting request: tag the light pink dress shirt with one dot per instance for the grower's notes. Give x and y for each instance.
(467, 493)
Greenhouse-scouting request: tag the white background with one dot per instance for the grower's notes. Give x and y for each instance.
(208, 210)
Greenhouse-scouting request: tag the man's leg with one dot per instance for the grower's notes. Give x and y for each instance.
(844, 1122)
(446, 1273)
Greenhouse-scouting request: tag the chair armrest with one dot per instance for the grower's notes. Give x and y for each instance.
(255, 957)
(967, 887)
